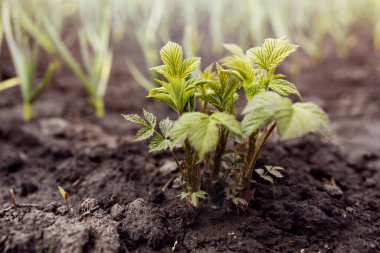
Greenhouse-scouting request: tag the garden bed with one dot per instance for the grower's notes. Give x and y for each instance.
(328, 201)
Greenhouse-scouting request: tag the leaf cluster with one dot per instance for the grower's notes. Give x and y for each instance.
(216, 145)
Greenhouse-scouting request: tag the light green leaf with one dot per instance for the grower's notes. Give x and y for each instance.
(195, 196)
(268, 178)
(284, 87)
(261, 109)
(184, 124)
(65, 195)
(166, 126)
(299, 119)
(200, 129)
(234, 49)
(274, 170)
(184, 195)
(260, 171)
(241, 65)
(164, 97)
(171, 55)
(136, 119)
(239, 201)
(144, 133)
(151, 119)
(200, 194)
(255, 121)
(263, 101)
(207, 73)
(9, 83)
(163, 70)
(272, 53)
(159, 143)
(204, 136)
(228, 121)
(188, 66)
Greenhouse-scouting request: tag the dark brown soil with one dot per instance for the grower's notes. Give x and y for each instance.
(329, 200)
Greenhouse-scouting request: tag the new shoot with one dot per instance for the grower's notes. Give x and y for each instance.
(65, 195)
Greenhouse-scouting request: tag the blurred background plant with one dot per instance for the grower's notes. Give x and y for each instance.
(25, 55)
(98, 26)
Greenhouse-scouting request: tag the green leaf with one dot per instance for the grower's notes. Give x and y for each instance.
(261, 109)
(163, 70)
(9, 83)
(201, 130)
(188, 66)
(204, 136)
(171, 55)
(184, 195)
(267, 178)
(195, 196)
(135, 119)
(267, 101)
(151, 119)
(284, 87)
(166, 126)
(239, 201)
(292, 120)
(272, 53)
(255, 121)
(184, 125)
(144, 133)
(65, 195)
(164, 97)
(274, 170)
(234, 49)
(200, 194)
(299, 119)
(228, 121)
(207, 73)
(241, 65)
(260, 171)
(159, 143)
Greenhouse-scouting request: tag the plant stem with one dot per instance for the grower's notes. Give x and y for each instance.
(27, 111)
(218, 154)
(192, 174)
(245, 180)
(176, 159)
(44, 82)
(171, 151)
(99, 107)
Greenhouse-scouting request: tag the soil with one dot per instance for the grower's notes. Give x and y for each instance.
(328, 201)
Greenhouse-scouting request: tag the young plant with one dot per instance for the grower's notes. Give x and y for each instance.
(146, 28)
(65, 195)
(94, 39)
(24, 56)
(218, 149)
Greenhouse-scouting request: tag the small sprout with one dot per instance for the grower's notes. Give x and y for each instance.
(269, 173)
(13, 198)
(193, 197)
(65, 195)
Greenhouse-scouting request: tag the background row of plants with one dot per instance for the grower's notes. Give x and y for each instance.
(54, 27)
